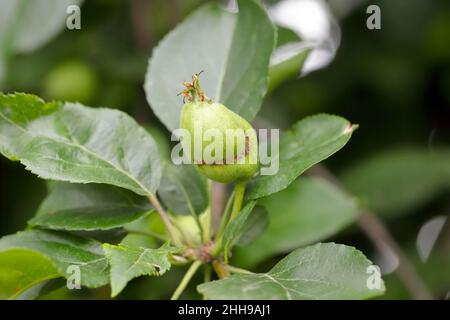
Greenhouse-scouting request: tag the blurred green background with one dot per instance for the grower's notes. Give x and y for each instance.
(393, 82)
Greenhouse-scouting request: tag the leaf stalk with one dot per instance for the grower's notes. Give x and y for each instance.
(239, 192)
(186, 279)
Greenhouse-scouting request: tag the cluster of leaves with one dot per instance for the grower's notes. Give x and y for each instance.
(107, 175)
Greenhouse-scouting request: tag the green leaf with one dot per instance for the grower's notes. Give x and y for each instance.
(257, 222)
(323, 271)
(70, 142)
(308, 211)
(287, 69)
(183, 190)
(128, 263)
(395, 182)
(232, 50)
(310, 141)
(234, 228)
(88, 207)
(249, 224)
(43, 289)
(286, 36)
(21, 269)
(64, 250)
(27, 25)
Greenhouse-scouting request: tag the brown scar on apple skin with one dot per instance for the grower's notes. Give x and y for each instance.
(227, 161)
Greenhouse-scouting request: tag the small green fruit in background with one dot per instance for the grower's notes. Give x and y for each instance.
(71, 81)
(190, 229)
(200, 115)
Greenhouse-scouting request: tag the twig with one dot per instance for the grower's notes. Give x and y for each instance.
(238, 196)
(220, 269)
(223, 223)
(185, 281)
(239, 191)
(379, 235)
(177, 260)
(225, 217)
(142, 36)
(173, 6)
(165, 218)
(207, 274)
(218, 200)
(445, 236)
(208, 215)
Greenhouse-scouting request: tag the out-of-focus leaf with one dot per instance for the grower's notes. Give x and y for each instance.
(42, 289)
(394, 182)
(27, 25)
(131, 262)
(139, 240)
(428, 236)
(21, 269)
(89, 207)
(310, 141)
(151, 227)
(310, 210)
(232, 50)
(319, 37)
(434, 272)
(183, 190)
(322, 271)
(2, 69)
(74, 143)
(64, 250)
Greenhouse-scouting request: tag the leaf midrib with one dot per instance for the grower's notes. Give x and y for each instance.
(141, 256)
(33, 283)
(318, 146)
(100, 207)
(83, 148)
